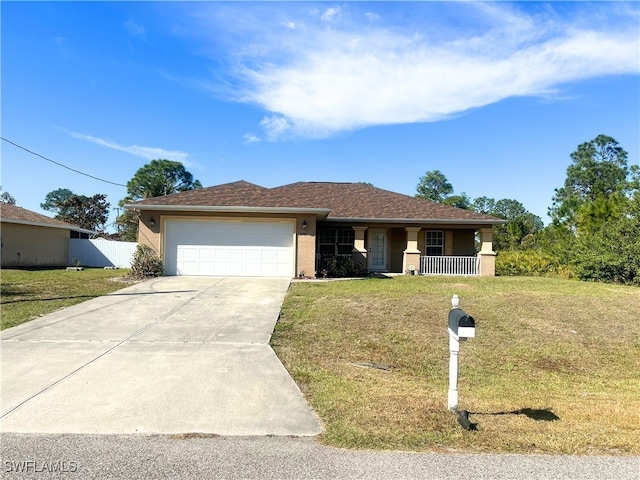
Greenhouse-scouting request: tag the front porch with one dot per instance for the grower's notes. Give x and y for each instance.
(344, 265)
(412, 250)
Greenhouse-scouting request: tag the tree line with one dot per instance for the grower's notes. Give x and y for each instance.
(521, 224)
(595, 229)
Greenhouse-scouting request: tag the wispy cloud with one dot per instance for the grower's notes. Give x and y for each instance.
(371, 16)
(330, 13)
(134, 28)
(61, 44)
(250, 138)
(439, 60)
(149, 153)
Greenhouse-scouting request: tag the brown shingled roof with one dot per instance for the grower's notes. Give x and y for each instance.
(13, 214)
(342, 200)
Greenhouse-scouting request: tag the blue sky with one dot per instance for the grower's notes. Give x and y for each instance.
(494, 95)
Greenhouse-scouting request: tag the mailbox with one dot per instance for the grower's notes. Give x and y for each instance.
(461, 324)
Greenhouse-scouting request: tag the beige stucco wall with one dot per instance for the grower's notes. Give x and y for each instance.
(31, 246)
(304, 238)
(463, 243)
(148, 235)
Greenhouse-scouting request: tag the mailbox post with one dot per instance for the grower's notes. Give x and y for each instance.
(461, 327)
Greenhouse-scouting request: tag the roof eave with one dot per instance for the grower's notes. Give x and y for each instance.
(321, 213)
(439, 221)
(49, 225)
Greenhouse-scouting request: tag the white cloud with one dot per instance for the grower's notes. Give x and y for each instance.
(289, 25)
(275, 126)
(320, 80)
(250, 138)
(149, 153)
(330, 13)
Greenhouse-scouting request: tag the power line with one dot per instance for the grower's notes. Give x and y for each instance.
(60, 164)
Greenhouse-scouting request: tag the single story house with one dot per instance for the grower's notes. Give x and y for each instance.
(244, 229)
(30, 239)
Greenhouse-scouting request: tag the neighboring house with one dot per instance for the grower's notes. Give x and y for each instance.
(30, 239)
(244, 229)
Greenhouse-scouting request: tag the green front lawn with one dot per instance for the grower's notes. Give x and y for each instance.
(29, 294)
(555, 366)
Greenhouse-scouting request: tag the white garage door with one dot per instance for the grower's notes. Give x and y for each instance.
(228, 248)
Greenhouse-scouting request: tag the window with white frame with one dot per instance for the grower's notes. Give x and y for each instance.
(434, 243)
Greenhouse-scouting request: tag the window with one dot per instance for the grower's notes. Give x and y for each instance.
(74, 234)
(434, 242)
(335, 241)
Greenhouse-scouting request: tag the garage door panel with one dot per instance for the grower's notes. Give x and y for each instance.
(268, 255)
(252, 255)
(206, 253)
(228, 248)
(221, 254)
(237, 254)
(283, 256)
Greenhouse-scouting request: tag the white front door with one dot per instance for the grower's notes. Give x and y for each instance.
(377, 251)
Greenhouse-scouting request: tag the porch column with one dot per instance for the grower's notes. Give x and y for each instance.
(486, 254)
(359, 253)
(411, 256)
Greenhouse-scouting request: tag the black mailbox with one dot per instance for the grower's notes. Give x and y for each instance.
(461, 323)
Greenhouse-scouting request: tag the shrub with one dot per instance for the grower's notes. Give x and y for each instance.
(530, 263)
(611, 252)
(608, 255)
(146, 263)
(341, 267)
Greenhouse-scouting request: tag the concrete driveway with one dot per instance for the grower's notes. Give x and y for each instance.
(170, 355)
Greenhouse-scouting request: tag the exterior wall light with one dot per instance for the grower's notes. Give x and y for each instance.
(152, 222)
(304, 224)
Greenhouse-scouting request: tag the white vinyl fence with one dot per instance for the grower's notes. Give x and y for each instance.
(447, 265)
(101, 253)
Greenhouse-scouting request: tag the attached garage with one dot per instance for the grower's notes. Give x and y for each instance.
(229, 248)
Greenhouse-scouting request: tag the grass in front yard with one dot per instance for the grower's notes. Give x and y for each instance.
(555, 366)
(28, 294)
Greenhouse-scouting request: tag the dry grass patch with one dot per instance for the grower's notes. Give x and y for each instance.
(555, 367)
(29, 294)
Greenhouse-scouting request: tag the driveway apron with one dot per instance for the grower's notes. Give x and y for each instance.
(170, 355)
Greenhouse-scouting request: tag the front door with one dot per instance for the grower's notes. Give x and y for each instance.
(377, 251)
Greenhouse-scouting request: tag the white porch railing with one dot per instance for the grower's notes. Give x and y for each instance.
(448, 265)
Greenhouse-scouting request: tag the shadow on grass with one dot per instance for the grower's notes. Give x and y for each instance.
(71, 297)
(13, 291)
(26, 300)
(539, 415)
(378, 276)
(118, 294)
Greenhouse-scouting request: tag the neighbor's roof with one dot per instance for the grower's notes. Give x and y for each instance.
(328, 200)
(13, 214)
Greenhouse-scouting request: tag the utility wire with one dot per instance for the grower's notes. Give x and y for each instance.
(60, 164)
